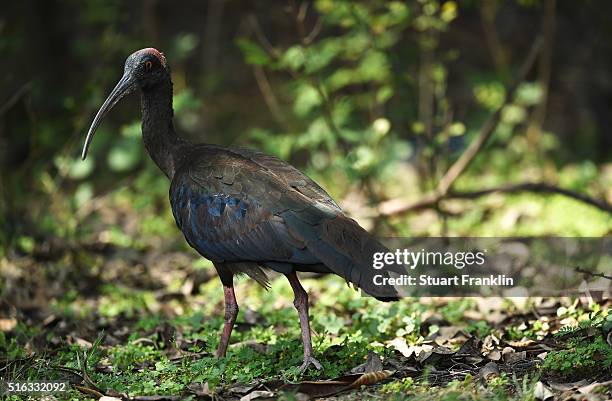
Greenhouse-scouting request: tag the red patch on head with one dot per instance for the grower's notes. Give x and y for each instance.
(160, 56)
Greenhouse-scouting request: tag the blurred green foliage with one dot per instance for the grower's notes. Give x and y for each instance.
(373, 99)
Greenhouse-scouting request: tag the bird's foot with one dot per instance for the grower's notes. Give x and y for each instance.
(310, 360)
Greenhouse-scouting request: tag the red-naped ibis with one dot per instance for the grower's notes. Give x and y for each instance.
(246, 211)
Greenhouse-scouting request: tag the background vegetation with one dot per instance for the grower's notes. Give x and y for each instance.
(377, 101)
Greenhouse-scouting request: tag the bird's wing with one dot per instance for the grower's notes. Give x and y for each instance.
(240, 205)
(289, 175)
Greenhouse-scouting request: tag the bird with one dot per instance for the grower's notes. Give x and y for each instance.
(246, 211)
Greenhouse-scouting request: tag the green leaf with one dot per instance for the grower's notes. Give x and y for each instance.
(318, 132)
(456, 129)
(306, 99)
(341, 78)
(490, 94)
(184, 45)
(351, 136)
(513, 114)
(26, 244)
(529, 93)
(133, 130)
(384, 94)
(321, 55)
(83, 194)
(364, 158)
(80, 169)
(125, 155)
(374, 67)
(183, 101)
(253, 53)
(294, 57)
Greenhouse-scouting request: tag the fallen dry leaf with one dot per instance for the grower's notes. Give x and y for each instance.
(470, 351)
(8, 324)
(489, 343)
(372, 364)
(258, 394)
(241, 389)
(400, 345)
(567, 386)
(541, 392)
(494, 355)
(589, 388)
(523, 343)
(489, 370)
(447, 333)
(434, 355)
(326, 388)
(200, 389)
(515, 357)
(371, 378)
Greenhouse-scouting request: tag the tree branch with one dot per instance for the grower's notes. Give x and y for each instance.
(488, 128)
(261, 37)
(269, 97)
(431, 200)
(23, 89)
(588, 273)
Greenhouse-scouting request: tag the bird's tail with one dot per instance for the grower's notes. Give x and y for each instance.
(349, 250)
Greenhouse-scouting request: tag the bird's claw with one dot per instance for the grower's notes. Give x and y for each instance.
(310, 360)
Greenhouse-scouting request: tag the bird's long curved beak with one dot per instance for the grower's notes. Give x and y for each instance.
(125, 86)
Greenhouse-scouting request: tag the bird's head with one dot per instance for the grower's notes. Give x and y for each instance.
(143, 69)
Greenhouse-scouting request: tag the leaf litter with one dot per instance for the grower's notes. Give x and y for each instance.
(491, 340)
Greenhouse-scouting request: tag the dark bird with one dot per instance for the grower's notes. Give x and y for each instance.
(244, 210)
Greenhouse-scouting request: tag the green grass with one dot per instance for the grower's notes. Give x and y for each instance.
(346, 327)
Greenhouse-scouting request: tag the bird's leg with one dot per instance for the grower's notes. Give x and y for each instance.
(301, 304)
(231, 311)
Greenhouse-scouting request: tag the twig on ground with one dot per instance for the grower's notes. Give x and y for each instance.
(89, 391)
(592, 274)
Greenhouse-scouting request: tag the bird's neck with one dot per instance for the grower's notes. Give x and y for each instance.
(165, 147)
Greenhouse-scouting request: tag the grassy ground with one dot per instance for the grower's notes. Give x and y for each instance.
(152, 331)
(125, 309)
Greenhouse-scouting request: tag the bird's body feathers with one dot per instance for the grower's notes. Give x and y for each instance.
(245, 210)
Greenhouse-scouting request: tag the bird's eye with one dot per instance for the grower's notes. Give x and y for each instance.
(148, 65)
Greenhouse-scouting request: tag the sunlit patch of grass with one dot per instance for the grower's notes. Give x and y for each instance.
(530, 215)
(498, 388)
(116, 300)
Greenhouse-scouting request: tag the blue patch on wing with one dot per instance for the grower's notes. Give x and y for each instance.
(241, 209)
(185, 197)
(216, 205)
(223, 213)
